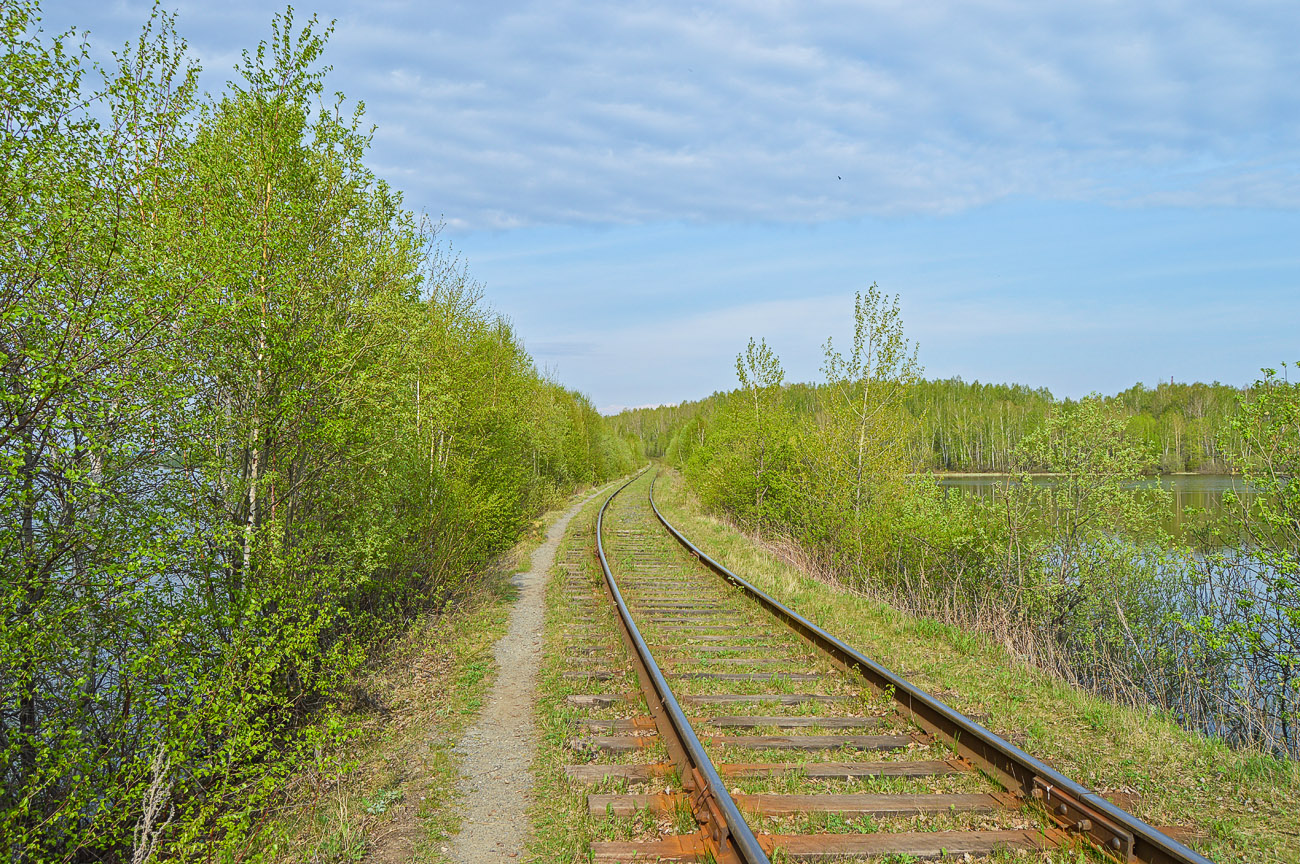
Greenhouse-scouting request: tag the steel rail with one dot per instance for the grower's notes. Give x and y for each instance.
(733, 834)
(1080, 810)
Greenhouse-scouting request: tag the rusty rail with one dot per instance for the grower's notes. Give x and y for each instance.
(724, 832)
(1075, 808)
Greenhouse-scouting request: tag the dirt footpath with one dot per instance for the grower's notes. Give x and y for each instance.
(497, 752)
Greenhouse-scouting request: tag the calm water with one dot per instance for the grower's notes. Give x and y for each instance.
(1194, 498)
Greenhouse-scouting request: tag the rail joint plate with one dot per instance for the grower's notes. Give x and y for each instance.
(1079, 818)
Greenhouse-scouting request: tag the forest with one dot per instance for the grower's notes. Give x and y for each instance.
(972, 427)
(1068, 565)
(254, 418)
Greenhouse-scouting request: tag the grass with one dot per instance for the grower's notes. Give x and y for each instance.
(390, 793)
(1240, 801)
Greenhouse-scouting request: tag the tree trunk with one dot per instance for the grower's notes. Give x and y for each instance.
(27, 716)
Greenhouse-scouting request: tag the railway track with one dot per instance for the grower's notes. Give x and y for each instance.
(753, 735)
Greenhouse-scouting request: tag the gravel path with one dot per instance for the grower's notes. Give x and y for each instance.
(497, 752)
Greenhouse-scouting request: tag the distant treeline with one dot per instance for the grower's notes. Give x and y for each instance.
(252, 422)
(976, 427)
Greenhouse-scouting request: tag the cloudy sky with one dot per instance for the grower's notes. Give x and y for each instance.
(1078, 196)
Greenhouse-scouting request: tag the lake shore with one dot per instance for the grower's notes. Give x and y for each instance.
(1059, 474)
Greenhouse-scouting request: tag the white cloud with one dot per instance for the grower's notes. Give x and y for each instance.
(509, 114)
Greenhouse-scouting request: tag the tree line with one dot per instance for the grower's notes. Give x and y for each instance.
(974, 427)
(253, 418)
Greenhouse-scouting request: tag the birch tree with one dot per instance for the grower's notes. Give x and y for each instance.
(760, 374)
(861, 447)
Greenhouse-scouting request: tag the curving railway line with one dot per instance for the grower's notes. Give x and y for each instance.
(766, 738)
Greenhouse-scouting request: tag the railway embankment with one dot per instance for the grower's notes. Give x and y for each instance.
(1231, 805)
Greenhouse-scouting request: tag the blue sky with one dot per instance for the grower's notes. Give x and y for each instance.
(1077, 196)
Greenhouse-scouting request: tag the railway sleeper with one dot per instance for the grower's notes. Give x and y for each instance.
(752, 676)
(847, 805)
(741, 721)
(809, 770)
(824, 847)
(628, 743)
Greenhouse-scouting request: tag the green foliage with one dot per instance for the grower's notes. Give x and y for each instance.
(1187, 427)
(749, 445)
(1093, 466)
(1243, 627)
(252, 420)
(977, 427)
(974, 426)
(1268, 429)
(860, 440)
